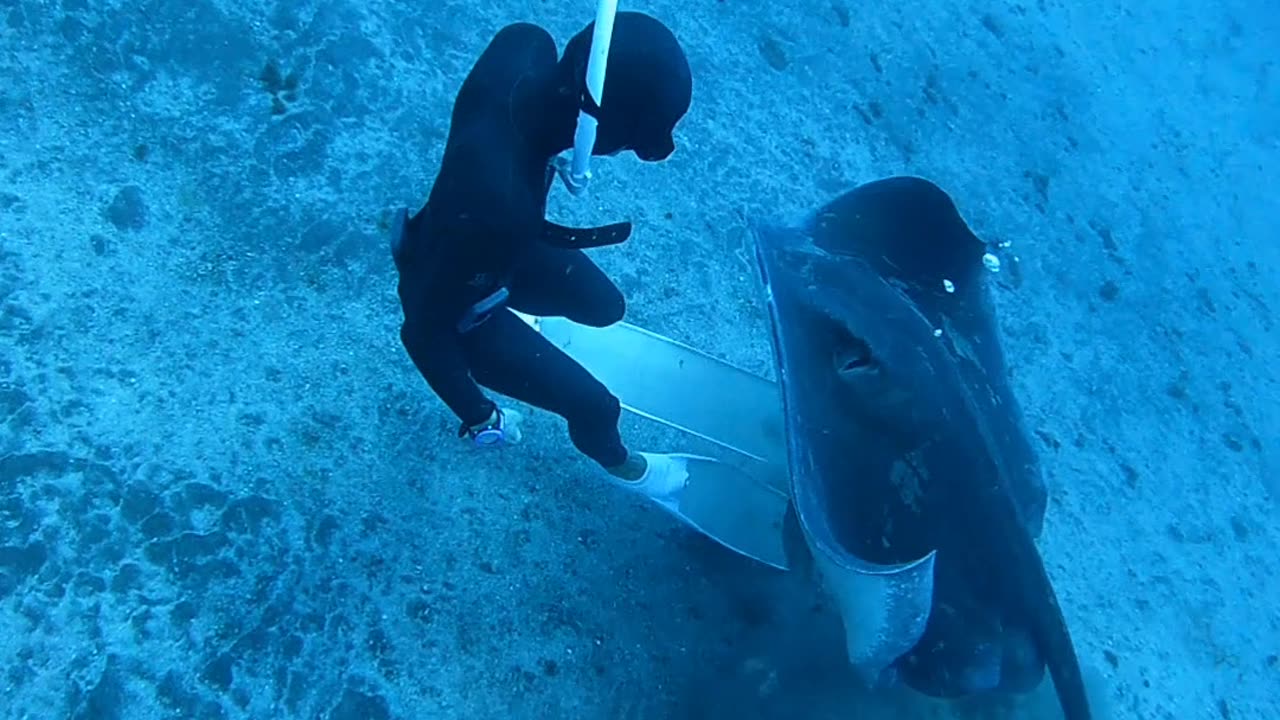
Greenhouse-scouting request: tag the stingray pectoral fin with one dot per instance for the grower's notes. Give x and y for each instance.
(884, 608)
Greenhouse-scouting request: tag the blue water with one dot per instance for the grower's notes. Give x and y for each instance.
(225, 492)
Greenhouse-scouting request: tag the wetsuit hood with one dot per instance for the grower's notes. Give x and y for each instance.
(647, 89)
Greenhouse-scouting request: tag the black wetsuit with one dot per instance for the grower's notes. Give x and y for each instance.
(483, 231)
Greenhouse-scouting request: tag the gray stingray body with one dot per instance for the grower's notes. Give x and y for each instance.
(907, 452)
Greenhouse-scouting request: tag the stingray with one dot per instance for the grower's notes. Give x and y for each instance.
(913, 480)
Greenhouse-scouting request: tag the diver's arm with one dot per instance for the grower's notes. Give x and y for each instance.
(438, 356)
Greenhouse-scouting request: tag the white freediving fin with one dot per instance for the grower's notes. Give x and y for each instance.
(727, 505)
(679, 386)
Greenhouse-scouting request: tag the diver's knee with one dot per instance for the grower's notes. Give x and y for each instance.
(605, 311)
(409, 336)
(597, 408)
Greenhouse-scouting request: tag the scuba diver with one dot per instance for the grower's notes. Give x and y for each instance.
(481, 246)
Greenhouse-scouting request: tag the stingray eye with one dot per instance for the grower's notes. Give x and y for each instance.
(854, 356)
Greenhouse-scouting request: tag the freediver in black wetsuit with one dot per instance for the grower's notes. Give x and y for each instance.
(481, 244)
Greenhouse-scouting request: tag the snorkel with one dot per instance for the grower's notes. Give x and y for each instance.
(577, 173)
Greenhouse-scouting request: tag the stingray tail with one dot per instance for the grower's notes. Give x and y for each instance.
(1049, 628)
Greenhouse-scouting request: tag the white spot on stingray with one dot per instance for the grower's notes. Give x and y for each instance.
(992, 262)
(937, 332)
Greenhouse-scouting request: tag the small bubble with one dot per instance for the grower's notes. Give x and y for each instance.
(948, 286)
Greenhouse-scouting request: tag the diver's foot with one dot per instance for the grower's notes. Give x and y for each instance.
(656, 475)
(631, 470)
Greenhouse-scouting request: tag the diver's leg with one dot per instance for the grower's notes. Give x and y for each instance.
(509, 357)
(554, 282)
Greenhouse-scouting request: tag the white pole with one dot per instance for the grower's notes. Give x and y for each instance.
(584, 138)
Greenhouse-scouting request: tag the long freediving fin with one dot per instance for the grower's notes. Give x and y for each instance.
(679, 386)
(730, 507)
(683, 388)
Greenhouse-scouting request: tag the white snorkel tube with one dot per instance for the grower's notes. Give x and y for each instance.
(584, 138)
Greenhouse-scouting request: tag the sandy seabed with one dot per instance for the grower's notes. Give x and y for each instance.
(226, 493)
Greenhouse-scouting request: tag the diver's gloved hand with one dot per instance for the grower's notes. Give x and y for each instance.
(502, 428)
(563, 167)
